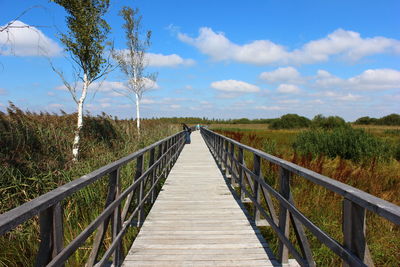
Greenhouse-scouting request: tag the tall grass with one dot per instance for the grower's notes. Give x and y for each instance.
(35, 157)
(323, 207)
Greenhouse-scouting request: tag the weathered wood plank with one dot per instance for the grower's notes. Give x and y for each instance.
(196, 216)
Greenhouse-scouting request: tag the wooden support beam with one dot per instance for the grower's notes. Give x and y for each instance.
(51, 234)
(101, 230)
(257, 188)
(354, 231)
(284, 190)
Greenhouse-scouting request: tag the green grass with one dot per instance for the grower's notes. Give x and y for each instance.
(35, 157)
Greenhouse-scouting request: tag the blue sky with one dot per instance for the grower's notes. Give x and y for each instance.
(222, 59)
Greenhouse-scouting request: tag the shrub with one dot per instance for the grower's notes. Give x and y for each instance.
(290, 121)
(366, 120)
(330, 122)
(392, 119)
(344, 142)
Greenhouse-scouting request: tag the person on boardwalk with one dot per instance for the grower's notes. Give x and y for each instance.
(188, 132)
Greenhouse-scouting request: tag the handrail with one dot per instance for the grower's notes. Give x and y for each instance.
(353, 251)
(49, 207)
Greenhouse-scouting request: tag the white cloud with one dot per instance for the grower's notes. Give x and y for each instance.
(369, 80)
(288, 74)
(160, 60)
(269, 107)
(350, 97)
(348, 44)
(377, 79)
(175, 106)
(21, 39)
(289, 101)
(3, 91)
(234, 86)
(337, 96)
(288, 88)
(219, 47)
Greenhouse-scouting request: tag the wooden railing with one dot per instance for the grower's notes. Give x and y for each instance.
(229, 154)
(161, 157)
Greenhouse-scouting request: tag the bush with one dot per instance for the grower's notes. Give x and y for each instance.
(344, 142)
(290, 121)
(392, 119)
(330, 122)
(366, 120)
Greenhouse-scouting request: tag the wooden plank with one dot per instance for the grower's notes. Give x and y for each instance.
(195, 213)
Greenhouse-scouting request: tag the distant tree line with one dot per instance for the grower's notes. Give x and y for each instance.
(198, 120)
(392, 119)
(288, 121)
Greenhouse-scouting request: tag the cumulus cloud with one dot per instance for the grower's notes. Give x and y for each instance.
(369, 80)
(348, 44)
(21, 39)
(375, 79)
(161, 60)
(288, 89)
(288, 74)
(234, 86)
(173, 60)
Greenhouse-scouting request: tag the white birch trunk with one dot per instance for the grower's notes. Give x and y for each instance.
(137, 113)
(75, 146)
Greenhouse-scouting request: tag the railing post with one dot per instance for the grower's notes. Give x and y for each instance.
(257, 187)
(101, 230)
(116, 219)
(233, 163)
(354, 227)
(165, 158)
(284, 190)
(51, 234)
(225, 158)
(241, 174)
(139, 172)
(152, 173)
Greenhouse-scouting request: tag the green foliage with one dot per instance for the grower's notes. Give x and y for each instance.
(344, 142)
(392, 119)
(270, 146)
(35, 158)
(319, 121)
(132, 60)
(87, 34)
(366, 120)
(290, 121)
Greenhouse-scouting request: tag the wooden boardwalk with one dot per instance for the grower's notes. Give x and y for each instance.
(196, 221)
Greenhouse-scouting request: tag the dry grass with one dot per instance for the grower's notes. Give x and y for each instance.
(323, 207)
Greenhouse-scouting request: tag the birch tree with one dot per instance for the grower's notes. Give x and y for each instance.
(85, 42)
(132, 61)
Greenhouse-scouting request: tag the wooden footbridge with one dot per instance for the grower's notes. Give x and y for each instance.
(199, 217)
